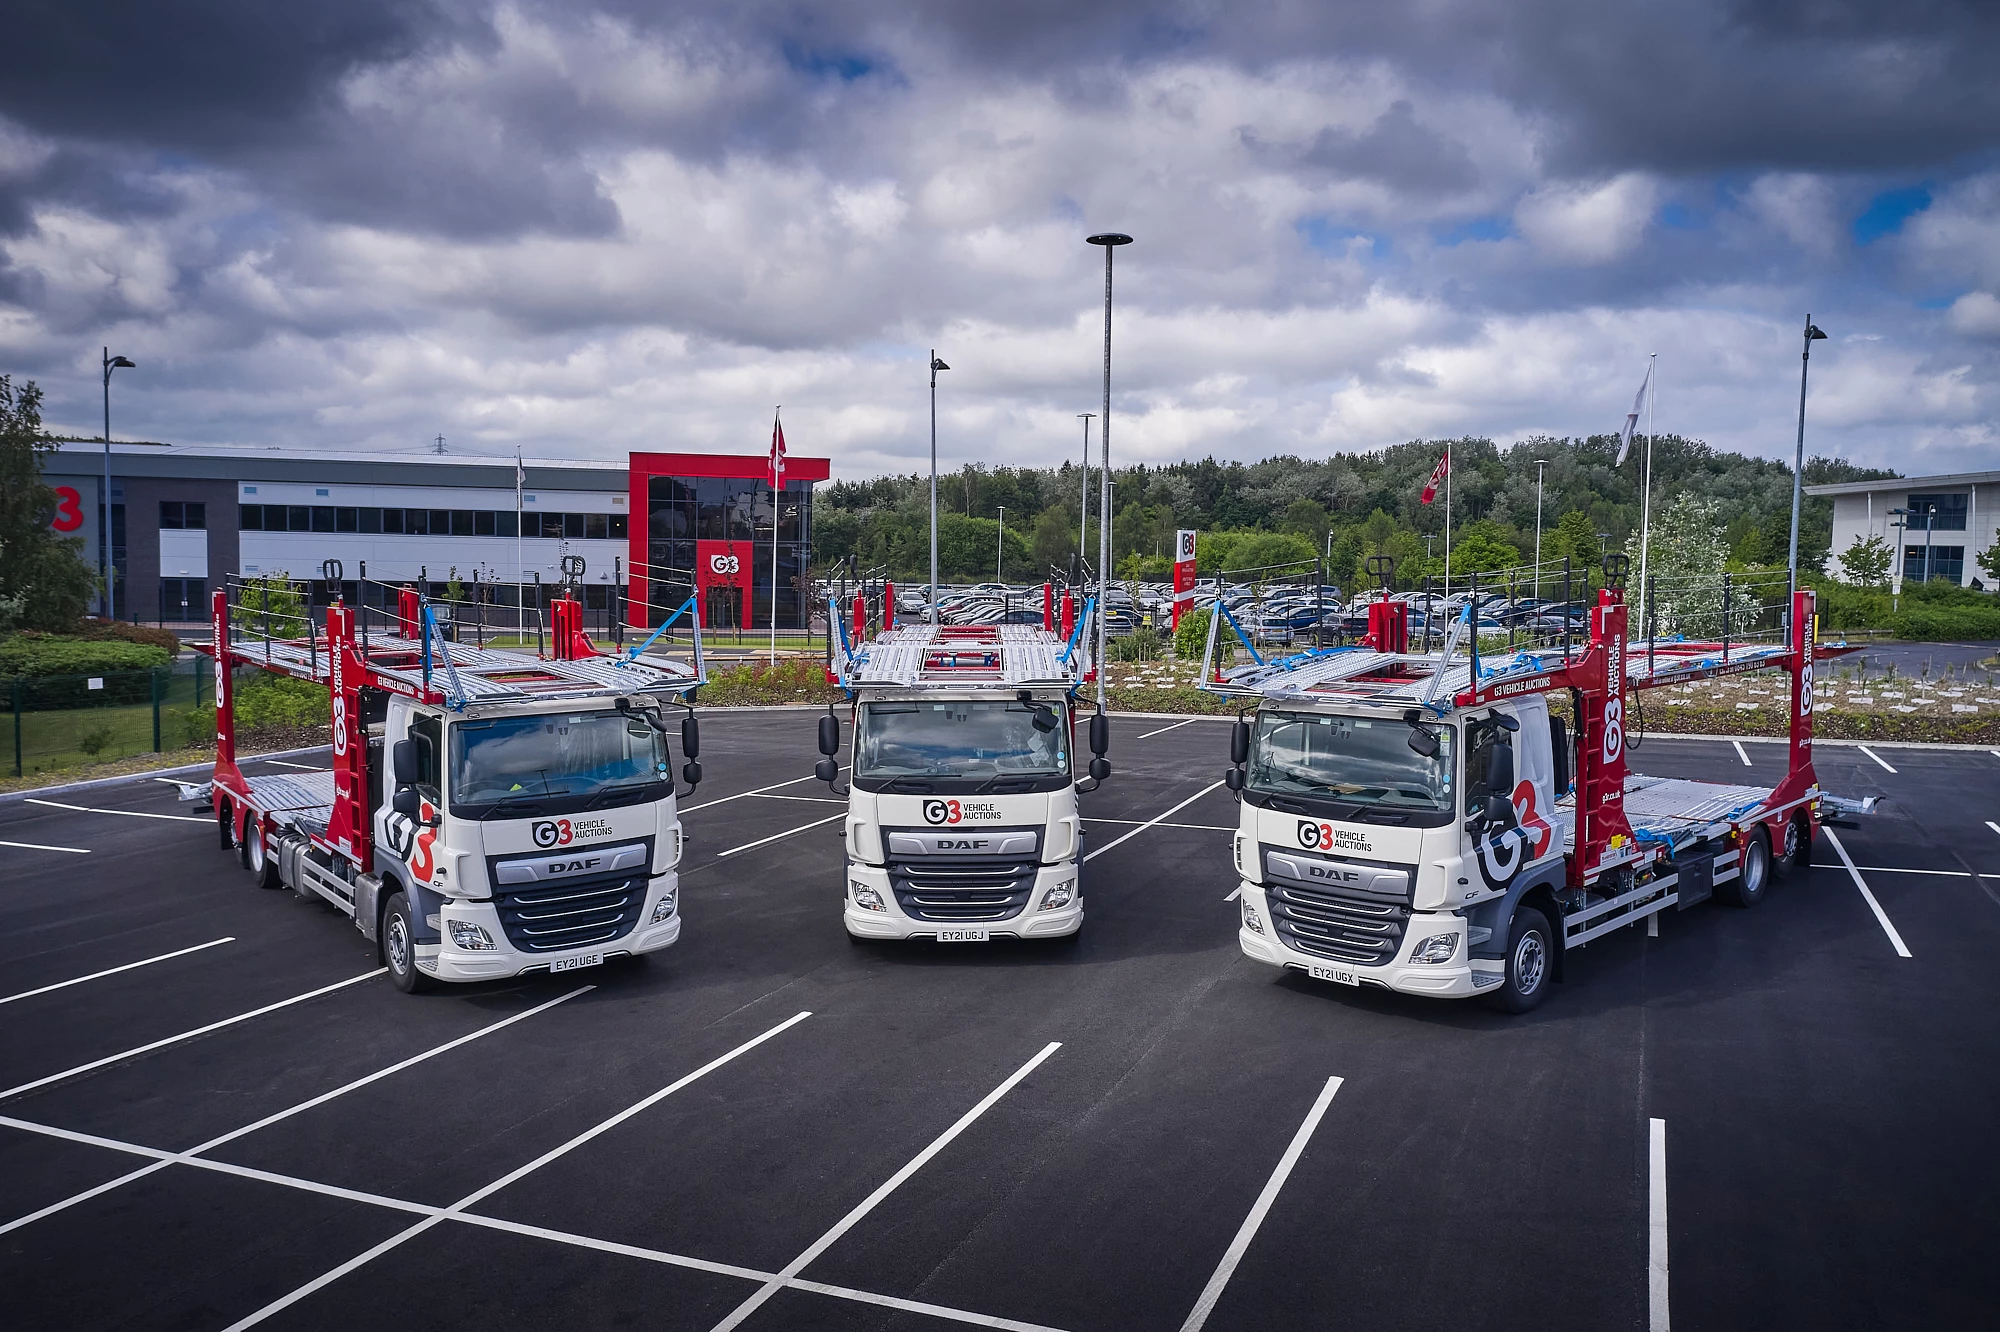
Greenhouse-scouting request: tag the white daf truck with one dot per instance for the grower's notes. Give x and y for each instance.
(962, 823)
(487, 813)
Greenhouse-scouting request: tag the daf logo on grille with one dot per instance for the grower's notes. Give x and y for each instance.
(573, 866)
(1337, 875)
(962, 843)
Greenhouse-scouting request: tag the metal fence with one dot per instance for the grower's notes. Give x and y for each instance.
(53, 722)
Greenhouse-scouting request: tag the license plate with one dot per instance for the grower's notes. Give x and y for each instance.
(577, 963)
(964, 936)
(1338, 975)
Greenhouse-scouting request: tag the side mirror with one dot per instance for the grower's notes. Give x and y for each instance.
(1233, 778)
(1044, 719)
(829, 737)
(1499, 812)
(406, 801)
(826, 771)
(1100, 738)
(691, 737)
(1239, 743)
(406, 763)
(1424, 742)
(1500, 770)
(691, 774)
(1100, 768)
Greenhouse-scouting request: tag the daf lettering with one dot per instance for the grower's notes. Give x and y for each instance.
(574, 866)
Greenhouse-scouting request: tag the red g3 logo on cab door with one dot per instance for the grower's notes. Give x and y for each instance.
(69, 510)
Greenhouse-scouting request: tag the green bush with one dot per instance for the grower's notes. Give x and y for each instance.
(31, 654)
(1192, 636)
(1933, 623)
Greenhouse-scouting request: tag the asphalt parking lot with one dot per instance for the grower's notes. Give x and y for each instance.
(216, 1113)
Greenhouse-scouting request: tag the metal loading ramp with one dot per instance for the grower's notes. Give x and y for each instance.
(1673, 810)
(929, 656)
(476, 675)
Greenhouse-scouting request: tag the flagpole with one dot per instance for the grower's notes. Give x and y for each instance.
(1646, 493)
(1448, 469)
(520, 568)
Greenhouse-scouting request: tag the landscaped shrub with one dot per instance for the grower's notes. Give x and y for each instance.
(33, 654)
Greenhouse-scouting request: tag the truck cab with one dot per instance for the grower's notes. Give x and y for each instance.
(1381, 848)
(520, 839)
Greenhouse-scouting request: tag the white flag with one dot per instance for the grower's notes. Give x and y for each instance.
(1632, 417)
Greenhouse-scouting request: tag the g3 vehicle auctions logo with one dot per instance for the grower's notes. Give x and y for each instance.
(724, 564)
(1326, 837)
(552, 832)
(941, 811)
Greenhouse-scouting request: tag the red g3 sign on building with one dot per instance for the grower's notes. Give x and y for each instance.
(69, 510)
(1184, 542)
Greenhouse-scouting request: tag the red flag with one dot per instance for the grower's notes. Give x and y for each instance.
(1437, 477)
(777, 454)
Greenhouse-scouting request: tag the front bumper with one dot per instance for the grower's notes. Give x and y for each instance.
(448, 962)
(892, 923)
(1445, 980)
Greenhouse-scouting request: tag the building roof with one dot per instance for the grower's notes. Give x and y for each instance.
(1907, 483)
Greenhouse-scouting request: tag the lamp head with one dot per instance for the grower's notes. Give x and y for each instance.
(1813, 334)
(1109, 238)
(122, 363)
(938, 364)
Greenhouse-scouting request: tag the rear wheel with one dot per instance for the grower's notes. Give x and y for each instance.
(1530, 960)
(1796, 851)
(257, 854)
(1747, 889)
(399, 946)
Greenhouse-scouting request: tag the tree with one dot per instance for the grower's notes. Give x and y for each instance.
(1480, 548)
(1989, 560)
(1685, 560)
(44, 583)
(1867, 562)
(1575, 536)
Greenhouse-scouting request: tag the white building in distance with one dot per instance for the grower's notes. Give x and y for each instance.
(1937, 525)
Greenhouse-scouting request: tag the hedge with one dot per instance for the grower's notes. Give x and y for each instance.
(1937, 624)
(49, 654)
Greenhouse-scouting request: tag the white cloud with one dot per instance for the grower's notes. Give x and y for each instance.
(1587, 223)
(1976, 314)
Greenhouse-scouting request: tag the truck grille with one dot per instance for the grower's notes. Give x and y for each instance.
(548, 918)
(1330, 923)
(961, 891)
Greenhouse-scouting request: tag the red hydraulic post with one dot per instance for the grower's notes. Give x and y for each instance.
(1048, 608)
(1603, 835)
(347, 823)
(1388, 625)
(1800, 776)
(860, 616)
(408, 613)
(888, 606)
(225, 691)
(1068, 613)
(569, 641)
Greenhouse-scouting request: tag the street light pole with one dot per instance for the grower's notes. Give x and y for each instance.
(1083, 518)
(1000, 548)
(1930, 523)
(1110, 240)
(1540, 463)
(936, 365)
(104, 569)
(1812, 334)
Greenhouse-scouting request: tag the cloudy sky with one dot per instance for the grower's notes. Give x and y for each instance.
(585, 230)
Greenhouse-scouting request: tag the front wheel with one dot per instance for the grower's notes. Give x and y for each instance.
(1753, 879)
(399, 946)
(1530, 958)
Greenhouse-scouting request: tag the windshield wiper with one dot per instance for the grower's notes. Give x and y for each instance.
(909, 784)
(998, 777)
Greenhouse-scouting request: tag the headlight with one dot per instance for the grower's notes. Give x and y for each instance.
(471, 936)
(1059, 896)
(663, 909)
(865, 897)
(1250, 921)
(1437, 948)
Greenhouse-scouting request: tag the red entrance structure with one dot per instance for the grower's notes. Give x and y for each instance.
(702, 525)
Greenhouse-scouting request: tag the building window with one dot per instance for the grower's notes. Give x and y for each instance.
(369, 521)
(618, 527)
(1923, 563)
(461, 523)
(482, 523)
(249, 518)
(573, 526)
(594, 526)
(1946, 513)
(506, 524)
(179, 515)
(298, 518)
(346, 520)
(322, 518)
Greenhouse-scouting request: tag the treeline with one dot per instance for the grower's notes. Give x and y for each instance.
(1350, 507)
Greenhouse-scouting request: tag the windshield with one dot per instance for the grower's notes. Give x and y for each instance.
(1353, 760)
(572, 756)
(920, 746)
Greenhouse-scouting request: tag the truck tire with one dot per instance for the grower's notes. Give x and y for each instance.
(1530, 962)
(1753, 878)
(1796, 850)
(399, 946)
(257, 855)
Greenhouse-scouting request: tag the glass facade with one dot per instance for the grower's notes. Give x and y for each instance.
(714, 533)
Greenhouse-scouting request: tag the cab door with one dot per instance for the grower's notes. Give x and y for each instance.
(1504, 848)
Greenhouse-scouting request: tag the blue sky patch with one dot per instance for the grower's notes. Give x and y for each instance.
(1330, 237)
(847, 66)
(1887, 212)
(1490, 228)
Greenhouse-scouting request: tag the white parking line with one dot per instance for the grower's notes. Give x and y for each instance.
(1234, 893)
(302, 767)
(187, 1157)
(1150, 822)
(778, 836)
(710, 804)
(1994, 826)
(1248, 1230)
(1873, 905)
(113, 971)
(888, 1186)
(1899, 869)
(810, 800)
(1656, 1230)
(165, 1041)
(127, 813)
(1741, 752)
(454, 1211)
(37, 846)
(1877, 757)
(1164, 729)
(1156, 823)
